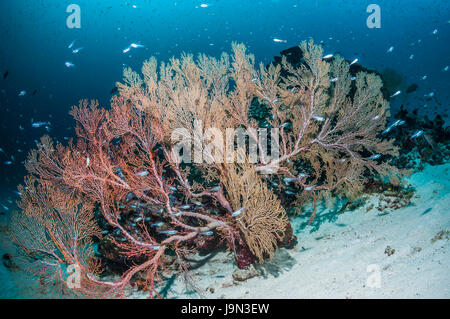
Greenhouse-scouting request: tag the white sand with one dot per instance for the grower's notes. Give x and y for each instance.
(333, 261)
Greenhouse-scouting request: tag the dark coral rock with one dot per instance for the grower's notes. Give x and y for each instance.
(244, 257)
(432, 148)
(245, 274)
(290, 240)
(413, 87)
(8, 262)
(389, 251)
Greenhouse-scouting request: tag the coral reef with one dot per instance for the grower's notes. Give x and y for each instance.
(121, 189)
(432, 147)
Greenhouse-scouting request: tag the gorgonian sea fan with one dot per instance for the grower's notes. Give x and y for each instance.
(154, 210)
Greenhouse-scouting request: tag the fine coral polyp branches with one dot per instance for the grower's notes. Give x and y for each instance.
(103, 171)
(54, 232)
(152, 206)
(260, 218)
(333, 125)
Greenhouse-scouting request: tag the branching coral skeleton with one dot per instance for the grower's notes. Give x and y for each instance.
(121, 165)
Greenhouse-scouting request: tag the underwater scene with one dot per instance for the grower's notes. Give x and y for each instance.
(224, 149)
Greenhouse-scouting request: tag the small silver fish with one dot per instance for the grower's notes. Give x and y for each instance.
(289, 192)
(303, 175)
(136, 45)
(142, 173)
(7, 162)
(288, 180)
(445, 69)
(39, 124)
(387, 130)
(375, 156)
(238, 212)
(334, 79)
(309, 188)
(69, 64)
(158, 224)
(168, 232)
(215, 189)
(207, 233)
(390, 50)
(396, 93)
(22, 93)
(417, 134)
(328, 56)
(279, 40)
(353, 62)
(318, 118)
(87, 161)
(184, 207)
(267, 170)
(75, 51)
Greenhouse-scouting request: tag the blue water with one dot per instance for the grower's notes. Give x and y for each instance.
(34, 40)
